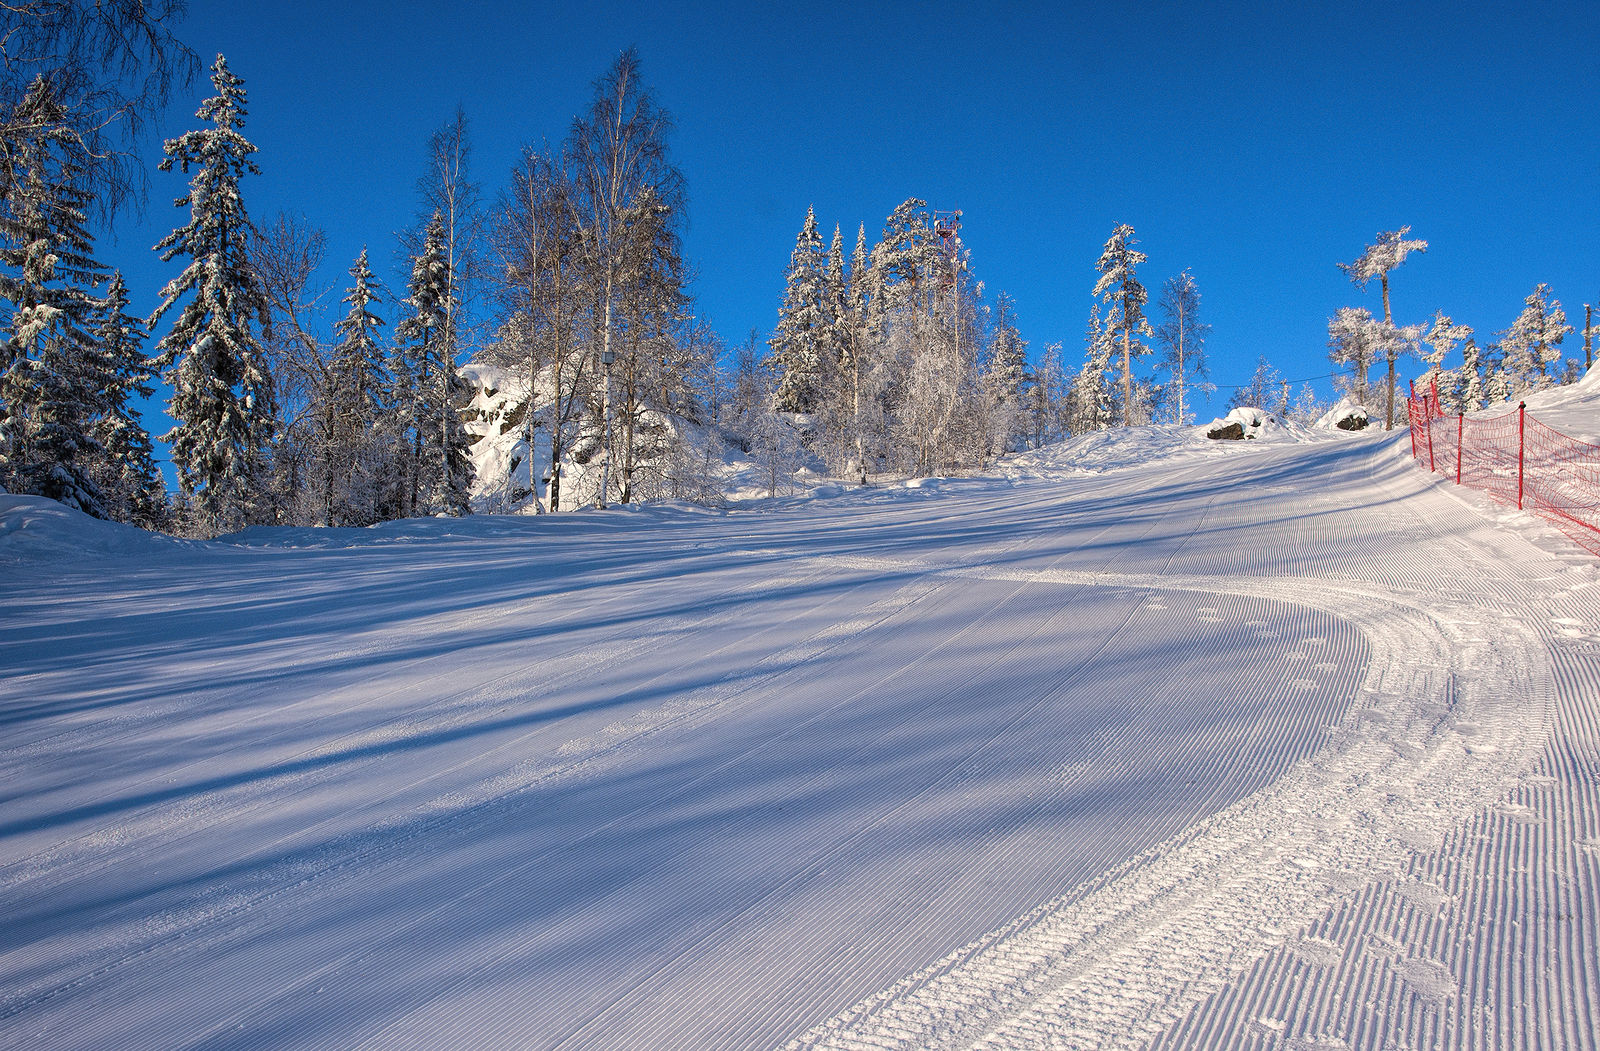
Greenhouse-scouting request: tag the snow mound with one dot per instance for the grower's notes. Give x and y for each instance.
(1572, 409)
(1107, 450)
(35, 529)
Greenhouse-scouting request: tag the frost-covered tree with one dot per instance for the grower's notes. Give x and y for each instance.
(1125, 298)
(110, 64)
(631, 206)
(1441, 339)
(446, 188)
(835, 429)
(834, 349)
(1182, 336)
(1005, 374)
(858, 338)
(223, 398)
(541, 290)
(1469, 391)
(1091, 394)
(1531, 347)
(52, 372)
(804, 323)
(440, 444)
(1387, 253)
(1355, 339)
(1047, 397)
(125, 469)
(362, 432)
(1267, 391)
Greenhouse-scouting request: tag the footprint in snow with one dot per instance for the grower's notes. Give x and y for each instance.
(1318, 952)
(1522, 815)
(1428, 897)
(1430, 980)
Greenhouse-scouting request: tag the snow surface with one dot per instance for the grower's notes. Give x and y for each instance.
(1145, 740)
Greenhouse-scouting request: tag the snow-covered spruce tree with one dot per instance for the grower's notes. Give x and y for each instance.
(1125, 299)
(223, 398)
(1441, 339)
(446, 188)
(1091, 402)
(1005, 372)
(125, 468)
(440, 444)
(857, 340)
(1470, 393)
(363, 436)
(1384, 255)
(52, 372)
(1182, 336)
(833, 427)
(1531, 347)
(803, 323)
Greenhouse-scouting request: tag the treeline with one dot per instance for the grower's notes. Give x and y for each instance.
(1523, 358)
(898, 364)
(573, 275)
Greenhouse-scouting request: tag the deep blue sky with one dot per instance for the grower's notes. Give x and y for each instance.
(1257, 144)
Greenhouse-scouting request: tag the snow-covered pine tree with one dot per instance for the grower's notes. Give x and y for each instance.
(52, 374)
(223, 398)
(1182, 336)
(1125, 299)
(1384, 255)
(443, 466)
(803, 323)
(363, 423)
(1531, 347)
(125, 470)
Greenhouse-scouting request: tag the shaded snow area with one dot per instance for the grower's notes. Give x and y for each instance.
(1146, 741)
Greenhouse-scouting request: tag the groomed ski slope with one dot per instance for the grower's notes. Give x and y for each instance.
(1265, 746)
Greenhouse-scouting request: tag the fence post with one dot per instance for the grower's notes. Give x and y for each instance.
(1431, 467)
(1411, 418)
(1522, 415)
(1461, 425)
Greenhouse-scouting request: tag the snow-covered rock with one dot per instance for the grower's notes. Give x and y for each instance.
(1345, 416)
(1241, 423)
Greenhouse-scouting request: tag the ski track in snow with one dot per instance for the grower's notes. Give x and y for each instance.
(749, 771)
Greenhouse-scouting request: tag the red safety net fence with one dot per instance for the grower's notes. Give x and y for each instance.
(1515, 459)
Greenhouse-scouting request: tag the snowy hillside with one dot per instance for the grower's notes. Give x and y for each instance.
(1143, 741)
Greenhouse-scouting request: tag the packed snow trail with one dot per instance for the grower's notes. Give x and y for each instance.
(1065, 762)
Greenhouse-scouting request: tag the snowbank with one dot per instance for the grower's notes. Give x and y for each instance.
(33, 528)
